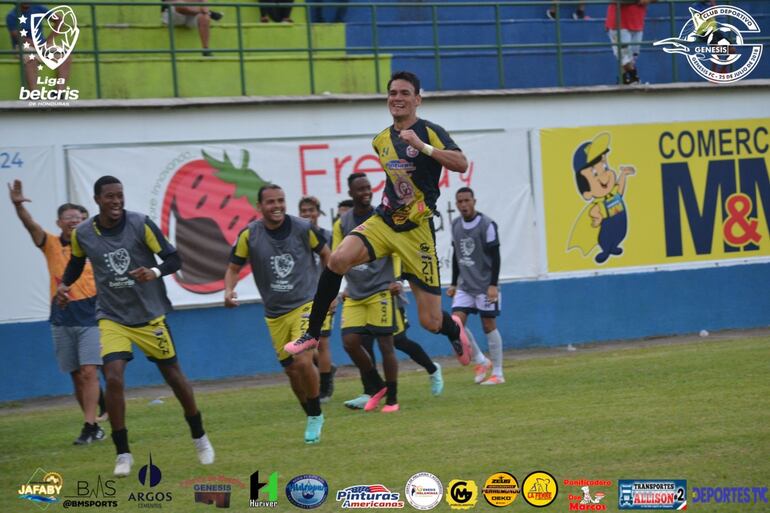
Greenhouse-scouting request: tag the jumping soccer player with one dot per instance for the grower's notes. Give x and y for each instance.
(412, 152)
(131, 306)
(476, 262)
(280, 249)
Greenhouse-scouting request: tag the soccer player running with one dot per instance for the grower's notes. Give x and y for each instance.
(475, 271)
(280, 249)
(412, 152)
(131, 306)
(372, 309)
(74, 331)
(310, 209)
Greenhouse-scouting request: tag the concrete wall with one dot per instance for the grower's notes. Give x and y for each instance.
(547, 310)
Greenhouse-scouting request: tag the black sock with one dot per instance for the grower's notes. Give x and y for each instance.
(313, 406)
(328, 288)
(196, 425)
(102, 404)
(367, 342)
(372, 381)
(304, 407)
(449, 327)
(326, 378)
(120, 439)
(90, 427)
(392, 395)
(415, 352)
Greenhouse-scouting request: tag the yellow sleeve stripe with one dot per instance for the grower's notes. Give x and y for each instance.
(242, 245)
(336, 233)
(75, 245)
(313, 239)
(396, 265)
(151, 240)
(434, 140)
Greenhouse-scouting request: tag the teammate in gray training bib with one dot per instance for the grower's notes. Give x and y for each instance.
(475, 271)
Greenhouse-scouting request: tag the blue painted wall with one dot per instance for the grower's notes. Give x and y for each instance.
(464, 67)
(216, 343)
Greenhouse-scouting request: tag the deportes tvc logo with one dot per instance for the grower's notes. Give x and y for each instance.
(61, 24)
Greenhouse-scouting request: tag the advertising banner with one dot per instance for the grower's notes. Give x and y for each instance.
(202, 195)
(658, 194)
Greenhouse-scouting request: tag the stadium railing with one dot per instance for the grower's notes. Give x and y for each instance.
(312, 53)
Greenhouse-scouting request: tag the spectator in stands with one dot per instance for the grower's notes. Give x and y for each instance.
(278, 14)
(337, 13)
(191, 17)
(579, 14)
(18, 21)
(630, 32)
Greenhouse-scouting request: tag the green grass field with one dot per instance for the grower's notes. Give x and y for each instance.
(696, 410)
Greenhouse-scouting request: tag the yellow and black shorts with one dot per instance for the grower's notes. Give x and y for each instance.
(373, 315)
(402, 323)
(326, 329)
(153, 338)
(287, 327)
(416, 247)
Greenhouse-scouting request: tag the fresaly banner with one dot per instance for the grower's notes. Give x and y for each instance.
(657, 194)
(202, 195)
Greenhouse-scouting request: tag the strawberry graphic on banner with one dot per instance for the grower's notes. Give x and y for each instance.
(206, 205)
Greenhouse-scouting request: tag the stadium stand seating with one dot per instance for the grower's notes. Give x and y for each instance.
(344, 54)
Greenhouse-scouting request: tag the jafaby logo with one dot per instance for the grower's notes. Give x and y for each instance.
(61, 24)
(713, 42)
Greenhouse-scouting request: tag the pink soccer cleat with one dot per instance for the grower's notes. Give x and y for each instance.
(372, 403)
(302, 344)
(389, 408)
(461, 346)
(494, 379)
(482, 370)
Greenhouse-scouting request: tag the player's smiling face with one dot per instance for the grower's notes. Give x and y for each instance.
(111, 203)
(600, 178)
(68, 221)
(273, 207)
(403, 100)
(361, 192)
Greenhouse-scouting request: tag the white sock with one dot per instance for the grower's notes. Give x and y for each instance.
(495, 342)
(476, 354)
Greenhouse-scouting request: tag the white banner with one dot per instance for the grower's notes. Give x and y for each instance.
(199, 195)
(24, 294)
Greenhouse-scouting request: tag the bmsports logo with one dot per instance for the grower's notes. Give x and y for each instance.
(714, 44)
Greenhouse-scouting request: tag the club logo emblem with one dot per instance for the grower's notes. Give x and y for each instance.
(119, 260)
(63, 25)
(282, 265)
(714, 44)
(467, 246)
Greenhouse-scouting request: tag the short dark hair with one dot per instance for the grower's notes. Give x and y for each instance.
(310, 199)
(409, 77)
(101, 182)
(353, 177)
(265, 187)
(70, 206)
(465, 189)
(345, 203)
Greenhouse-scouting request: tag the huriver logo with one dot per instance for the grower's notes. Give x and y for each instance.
(713, 42)
(53, 51)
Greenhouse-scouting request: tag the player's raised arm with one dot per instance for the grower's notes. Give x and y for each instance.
(452, 159)
(17, 198)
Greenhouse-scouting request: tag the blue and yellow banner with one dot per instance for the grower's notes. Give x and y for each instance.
(647, 195)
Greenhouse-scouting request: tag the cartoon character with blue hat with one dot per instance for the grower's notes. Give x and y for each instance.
(598, 184)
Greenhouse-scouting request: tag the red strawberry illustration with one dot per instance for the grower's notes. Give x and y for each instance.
(207, 203)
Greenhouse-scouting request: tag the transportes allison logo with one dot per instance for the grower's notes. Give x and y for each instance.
(369, 496)
(652, 494)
